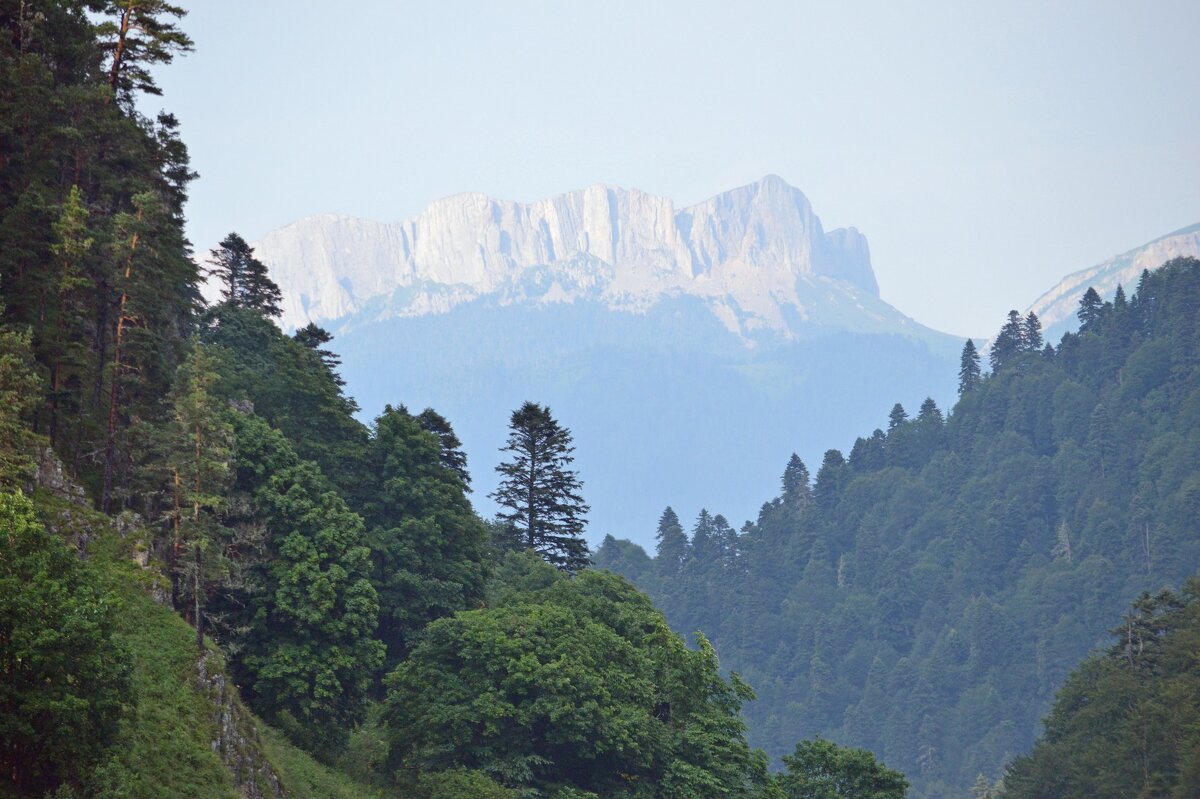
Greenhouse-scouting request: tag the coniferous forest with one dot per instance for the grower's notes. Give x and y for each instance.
(216, 581)
(926, 595)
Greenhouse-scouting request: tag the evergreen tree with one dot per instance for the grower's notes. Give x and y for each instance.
(540, 491)
(136, 36)
(1090, 308)
(969, 374)
(201, 442)
(1009, 343)
(453, 457)
(1119, 301)
(797, 492)
(896, 417)
(247, 284)
(315, 338)
(19, 392)
(706, 549)
(1031, 338)
(673, 548)
(929, 413)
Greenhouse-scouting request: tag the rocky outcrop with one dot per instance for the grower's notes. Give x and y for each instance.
(236, 739)
(757, 255)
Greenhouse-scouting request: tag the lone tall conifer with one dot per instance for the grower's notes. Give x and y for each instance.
(539, 491)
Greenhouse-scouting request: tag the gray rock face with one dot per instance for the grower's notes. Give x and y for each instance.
(1056, 308)
(757, 255)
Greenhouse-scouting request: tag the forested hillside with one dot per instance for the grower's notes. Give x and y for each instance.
(1127, 721)
(925, 596)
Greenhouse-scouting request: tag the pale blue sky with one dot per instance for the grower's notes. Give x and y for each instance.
(984, 149)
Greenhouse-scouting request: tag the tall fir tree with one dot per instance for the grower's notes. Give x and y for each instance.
(453, 457)
(797, 490)
(672, 549)
(969, 373)
(1031, 338)
(539, 490)
(896, 417)
(1009, 342)
(1090, 308)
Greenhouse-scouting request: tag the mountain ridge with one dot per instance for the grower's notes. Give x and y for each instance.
(757, 254)
(1056, 307)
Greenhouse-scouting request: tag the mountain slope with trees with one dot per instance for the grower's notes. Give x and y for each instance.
(925, 596)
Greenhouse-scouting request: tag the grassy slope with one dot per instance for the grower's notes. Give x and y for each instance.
(165, 747)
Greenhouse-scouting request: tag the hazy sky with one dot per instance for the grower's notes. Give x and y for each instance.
(984, 149)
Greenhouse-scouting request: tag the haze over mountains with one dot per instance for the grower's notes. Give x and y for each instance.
(728, 334)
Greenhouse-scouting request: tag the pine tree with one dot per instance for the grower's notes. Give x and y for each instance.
(673, 548)
(540, 491)
(1031, 338)
(969, 374)
(247, 284)
(896, 417)
(1009, 343)
(1090, 308)
(138, 34)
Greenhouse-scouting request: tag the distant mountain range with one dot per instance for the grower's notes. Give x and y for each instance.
(757, 257)
(1056, 308)
(690, 350)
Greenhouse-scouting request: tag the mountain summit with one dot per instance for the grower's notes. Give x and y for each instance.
(757, 256)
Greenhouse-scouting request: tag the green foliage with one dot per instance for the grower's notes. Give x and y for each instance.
(287, 384)
(933, 596)
(969, 373)
(247, 284)
(93, 260)
(426, 541)
(19, 390)
(64, 679)
(577, 687)
(1126, 723)
(539, 492)
(821, 769)
(460, 784)
(308, 653)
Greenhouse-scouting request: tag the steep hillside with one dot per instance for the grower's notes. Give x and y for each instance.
(926, 595)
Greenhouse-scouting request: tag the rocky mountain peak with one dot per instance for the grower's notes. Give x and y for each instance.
(757, 255)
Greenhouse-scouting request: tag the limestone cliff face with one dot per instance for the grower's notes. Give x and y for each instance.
(757, 255)
(1056, 308)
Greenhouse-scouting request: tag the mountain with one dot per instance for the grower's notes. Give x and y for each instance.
(729, 333)
(757, 257)
(1056, 308)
